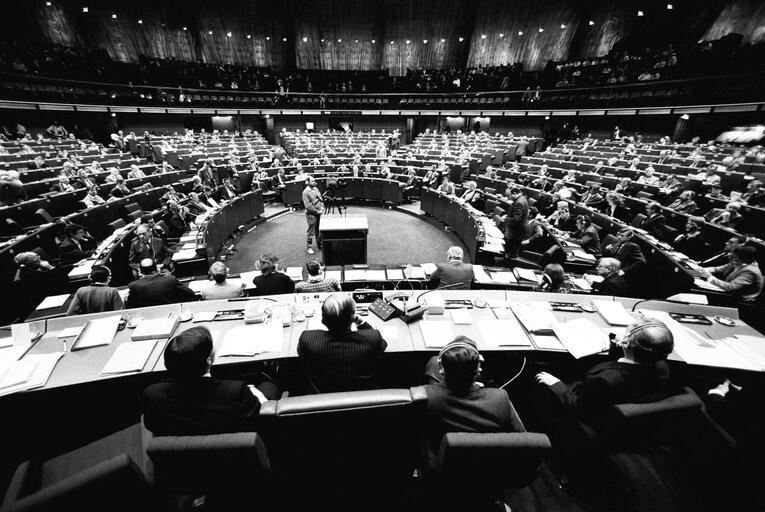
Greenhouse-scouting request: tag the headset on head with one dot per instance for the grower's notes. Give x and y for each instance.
(459, 344)
(630, 335)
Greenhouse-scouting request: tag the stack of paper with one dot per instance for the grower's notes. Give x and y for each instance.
(337, 274)
(581, 337)
(185, 254)
(155, 329)
(436, 333)
(53, 301)
(394, 274)
(97, 332)
(42, 365)
(417, 273)
(428, 268)
(535, 316)
(751, 347)
(249, 340)
(525, 274)
(480, 274)
(355, 275)
(503, 277)
(129, 357)
(295, 273)
(613, 312)
(579, 254)
(582, 283)
(376, 275)
(706, 285)
(503, 333)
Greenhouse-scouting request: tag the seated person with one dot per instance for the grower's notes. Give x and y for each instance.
(92, 198)
(741, 277)
(271, 281)
(454, 274)
(585, 236)
(593, 198)
(534, 231)
(120, 190)
(221, 288)
(729, 217)
(147, 245)
(98, 296)
(641, 375)
(154, 288)
(458, 403)
(177, 218)
(473, 196)
(317, 282)
(340, 359)
(615, 207)
(625, 187)
(613, 283)
(561, 218)
(649, 178)
(446, 187)
(35, 276)
(654, 223)
(685, 203)
(754, 194)
(192, 402)
(626, 251)
(553, 279)
(691, 243)
(76, 246)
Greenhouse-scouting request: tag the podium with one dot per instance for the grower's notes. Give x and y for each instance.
(344, 239)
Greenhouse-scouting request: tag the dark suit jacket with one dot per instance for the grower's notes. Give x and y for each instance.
(629, 255)
(159, 252)
(341, 361)
(517, 219)
(157, 289)
(273, 284)
(588, 239)
(693, 247)
(200, 406)
(454, 272)
(612, 285)
(654, 225)
(69, 253)
(621, 212)
(612, 383)
(481, 410)
(95, 299)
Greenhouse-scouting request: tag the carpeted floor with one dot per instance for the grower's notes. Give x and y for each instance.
(394, 238)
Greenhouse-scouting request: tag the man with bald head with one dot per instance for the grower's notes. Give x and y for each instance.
(613, 283)
(640, 375)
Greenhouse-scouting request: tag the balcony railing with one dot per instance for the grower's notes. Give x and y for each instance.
(695, 91)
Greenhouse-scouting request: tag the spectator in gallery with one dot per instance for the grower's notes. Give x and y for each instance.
(56, 131)
(271, 281)
(92, 198)
(317, 282)
(98, 296)
(221, 288)
(135, 172)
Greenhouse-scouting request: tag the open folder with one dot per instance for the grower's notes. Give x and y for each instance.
(97, 332)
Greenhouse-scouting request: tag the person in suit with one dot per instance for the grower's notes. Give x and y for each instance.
(561, 218)
(553, 279)
(616, 208)
(155, 288)
(593, 198)
(207, 175)
(640, 375)
(98, 296)
(340, 359)
(76, 246)
(626, 251)
(729, 217)
(613, 283)
(271, 281)
(685, 203)
(192, 402)
(516, 223)
(177, 218)
(458, 402)
(317, 282)
(535, 234)
(314, 208)
(721, 258)
(625, 187)
(691, 243)
(454, 274)
(220, 288)
(654, 223)
(586, 236)
(146, 245)
(741, 277)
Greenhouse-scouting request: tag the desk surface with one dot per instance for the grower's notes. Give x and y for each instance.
(85, 366)
(337, 223)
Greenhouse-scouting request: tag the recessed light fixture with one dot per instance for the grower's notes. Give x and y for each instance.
(85, 9)
(591, 23)
(185, 28)
(520, 33)
(47, 4)
(424, 41)
(140, 22)
(268, 38)
(408, 41)
(541, 30)
(114, 16)
(284, 39)
(249, 36)
(483, 36)
(670, 7)
(462, 39)
(640, 13)
(339, 40)
(443, 40)
(373, 41)
(228, 34)
(501, 35)
(305, 39)
(562, 25)
(355, 40)
(322, 39)
(209, 32)
(391, 42)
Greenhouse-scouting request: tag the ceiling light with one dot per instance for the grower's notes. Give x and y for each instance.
(462, 39)
(424, 41)
(185, 28)
(685, 117)
(47, 4)
(322, 39)
(209, 32)
(520, 33)
(249, 36)
(391, 42)
(268, 38)
(670, 7)
(140, 22)
(592, 23)
(408, 41)
(305, 39)
(228, 34)
(373, 41)
(84, 9)
(541, 30)
(355, 40)
(483, 36)
(502, 35)
(339, 40)
(114, 16)
(640, 13)
(443, 40)
(562, 25)
(284, 39)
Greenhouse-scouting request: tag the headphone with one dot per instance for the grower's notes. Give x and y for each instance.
(629, 335)
(459, 344)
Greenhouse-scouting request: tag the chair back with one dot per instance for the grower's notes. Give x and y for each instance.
(117, 224)
(13, 228)
(189, 465)
(47, 218)
(642, 194)
(133, 207)
(552, 255)
(670, 233)
(494, 461)
(366, 436)
(637, 220)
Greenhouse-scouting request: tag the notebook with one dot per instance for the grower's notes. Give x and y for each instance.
(129, 357)
(156, 328)
(97, 333)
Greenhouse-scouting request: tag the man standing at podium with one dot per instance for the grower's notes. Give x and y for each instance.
(314, 207)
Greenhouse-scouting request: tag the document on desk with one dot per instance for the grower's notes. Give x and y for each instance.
(436, 333)
(751, 347)
(97, 332)
(582, 283)
(156, 328)
(249, 340)
(579, 254)
(70, 332)
(185, 254)
(706, 285)
(525, 274)
(43, 367)
(204, 316)
(581, 337)
(337, 274)
(355, 275)
(129, 357)
(295, 273)
(395, 274)
(428, 268)
(461, 317)
(693, 348)
(547, 342)
(247, 277)
(535, 316)
(82, 270)
(417, 273)
(480, 274)
(376, 275)
(613, 312)
(53, 301)
(503, 277)
(503, 333)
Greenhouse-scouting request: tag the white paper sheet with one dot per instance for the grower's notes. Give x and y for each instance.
(389, 332)
(53, 301)
(525, 274)
(461, 317)
(436, 333)
(97, 332)
(395, 274)
(613, 312)
(428, 268)
(43, 369)
(581, 337)
(295, 273)
(129, 357)
(503, 277)
(204, 316)
(376, 275)
(535, 316)
(249, 340)
(70, 332)
(355, 275)
(503, 333)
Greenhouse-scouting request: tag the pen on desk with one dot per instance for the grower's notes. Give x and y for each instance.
(64, 340)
